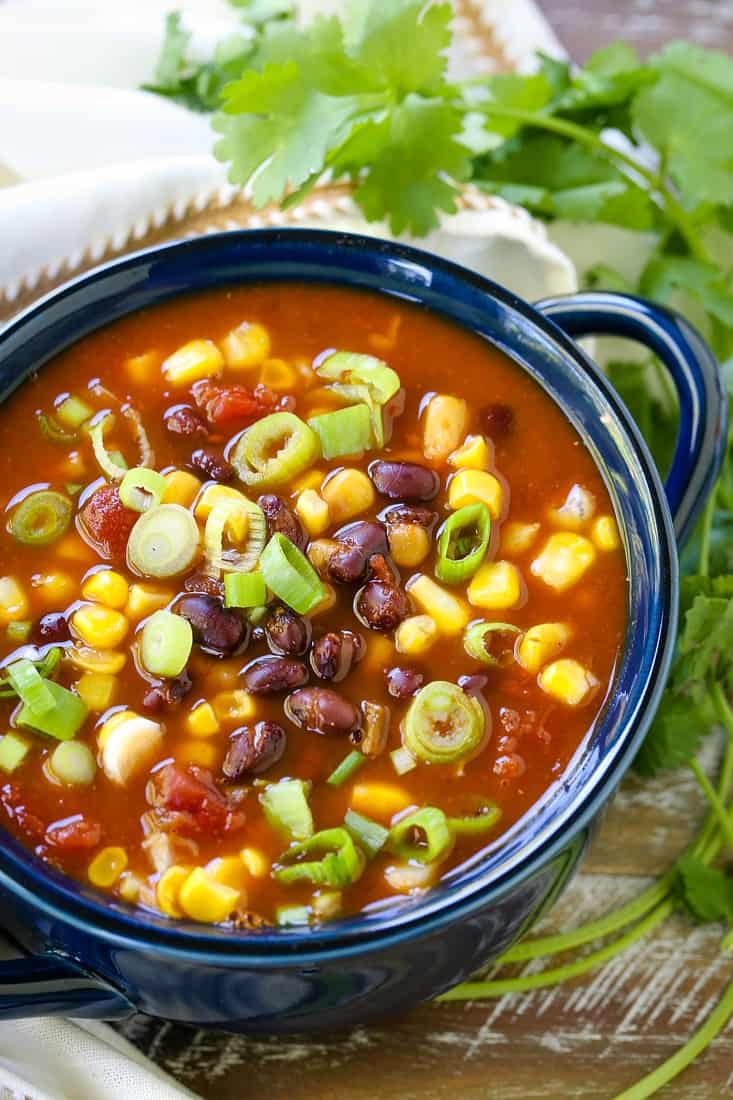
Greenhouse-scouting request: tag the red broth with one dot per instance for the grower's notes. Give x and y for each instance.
(177, 808)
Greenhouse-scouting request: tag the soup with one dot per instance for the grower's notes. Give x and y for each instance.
(306, 596)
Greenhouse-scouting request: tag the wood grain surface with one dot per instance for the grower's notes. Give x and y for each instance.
(585, 1040)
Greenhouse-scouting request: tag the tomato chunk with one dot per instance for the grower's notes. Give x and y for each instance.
(226, 404)
(191, 803)
(74, 834)
(107, 522)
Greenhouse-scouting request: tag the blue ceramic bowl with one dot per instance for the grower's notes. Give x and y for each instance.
(92, 956)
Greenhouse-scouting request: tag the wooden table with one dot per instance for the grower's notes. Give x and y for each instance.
(585, 1039)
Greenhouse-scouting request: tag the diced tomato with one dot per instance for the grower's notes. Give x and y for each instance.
(226, 404)
(74, 834)
(13, 803)
(108, 523)
(193, 802)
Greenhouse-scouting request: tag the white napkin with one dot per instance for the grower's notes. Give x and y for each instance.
(101, 166)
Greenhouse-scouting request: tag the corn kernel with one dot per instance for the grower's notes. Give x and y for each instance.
(416, 635)
(313, 512)
(516, 538)
(168, 890)
(214, 494)
(348, 493)
(202, 721)
(207, 901)
(228, 870)
(496, 586)
(382, 800)
(444, 426)
(143, 368)
(180, 488)
(234, 706)
(13, 601)
(96, 660)
(99, 626)
(472, 486)
(605, 533)
(541, 643)
(473, 454)
(256, 862)
(328, 601)
(567, 681)
(54, 588)
(278, 375)
(144, 599)
(107, 587)
(199, 752)
(246, 346)
(73, 548)
(196, 360)
(578, 509)
(107, 866)
(311, 479)
(409, 544)
(563, 560)
(380, 653)
(97, 690)
(450, 614)
(129, 887)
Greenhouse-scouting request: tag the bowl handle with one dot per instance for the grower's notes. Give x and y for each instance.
(702, 433)
(50, 985)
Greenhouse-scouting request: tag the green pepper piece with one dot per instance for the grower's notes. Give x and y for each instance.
(462, 543)
(431, 826)
(477, 641)
(443, 724)
(274, 450)
(341, 864)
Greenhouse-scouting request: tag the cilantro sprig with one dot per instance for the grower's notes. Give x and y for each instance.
(645, 146)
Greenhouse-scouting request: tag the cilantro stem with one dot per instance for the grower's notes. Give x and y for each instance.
(674, 209)
(469, 991)
(679, 1061)
(721, 814)
(703, 567)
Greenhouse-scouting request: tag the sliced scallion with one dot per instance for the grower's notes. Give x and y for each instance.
(73, 763)
(42, 518)
(478, 638)
(285, 805)
(344, 431)
(141, 489)
(18, 631)
(244, 590)
(340, 865)
(369, 835)
(13, 751)
(165, 644)
(274, 450)
(443, 724)
(292, 916)
(484, 818)
(63, 721)
(434, 837)
(73, 412)
(365, 379)
(164, 542)
(289, 574)
(349, 766)
(30, 686)
(462, 543)
(52, 430)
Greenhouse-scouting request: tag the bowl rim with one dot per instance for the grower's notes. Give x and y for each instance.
(64, 899)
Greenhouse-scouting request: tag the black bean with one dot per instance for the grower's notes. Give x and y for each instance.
(404, 480)
(268, 675)
(409, 513)
(252, 750)
(347, 564)
(208, 586)
(287, 634)
(402, 683)
(334, 654)
(212, 465)
(368, 536)
(320, 710)
(215, 627)
(498, 420)
(183, 420)
(381, 606)
(52, 628)
(168, 693)
(281, 520)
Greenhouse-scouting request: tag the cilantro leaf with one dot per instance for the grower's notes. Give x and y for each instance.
(666, 274)
(675, 734)
(171, 62)
(403, 43)
(707, 893)
(685, 115)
